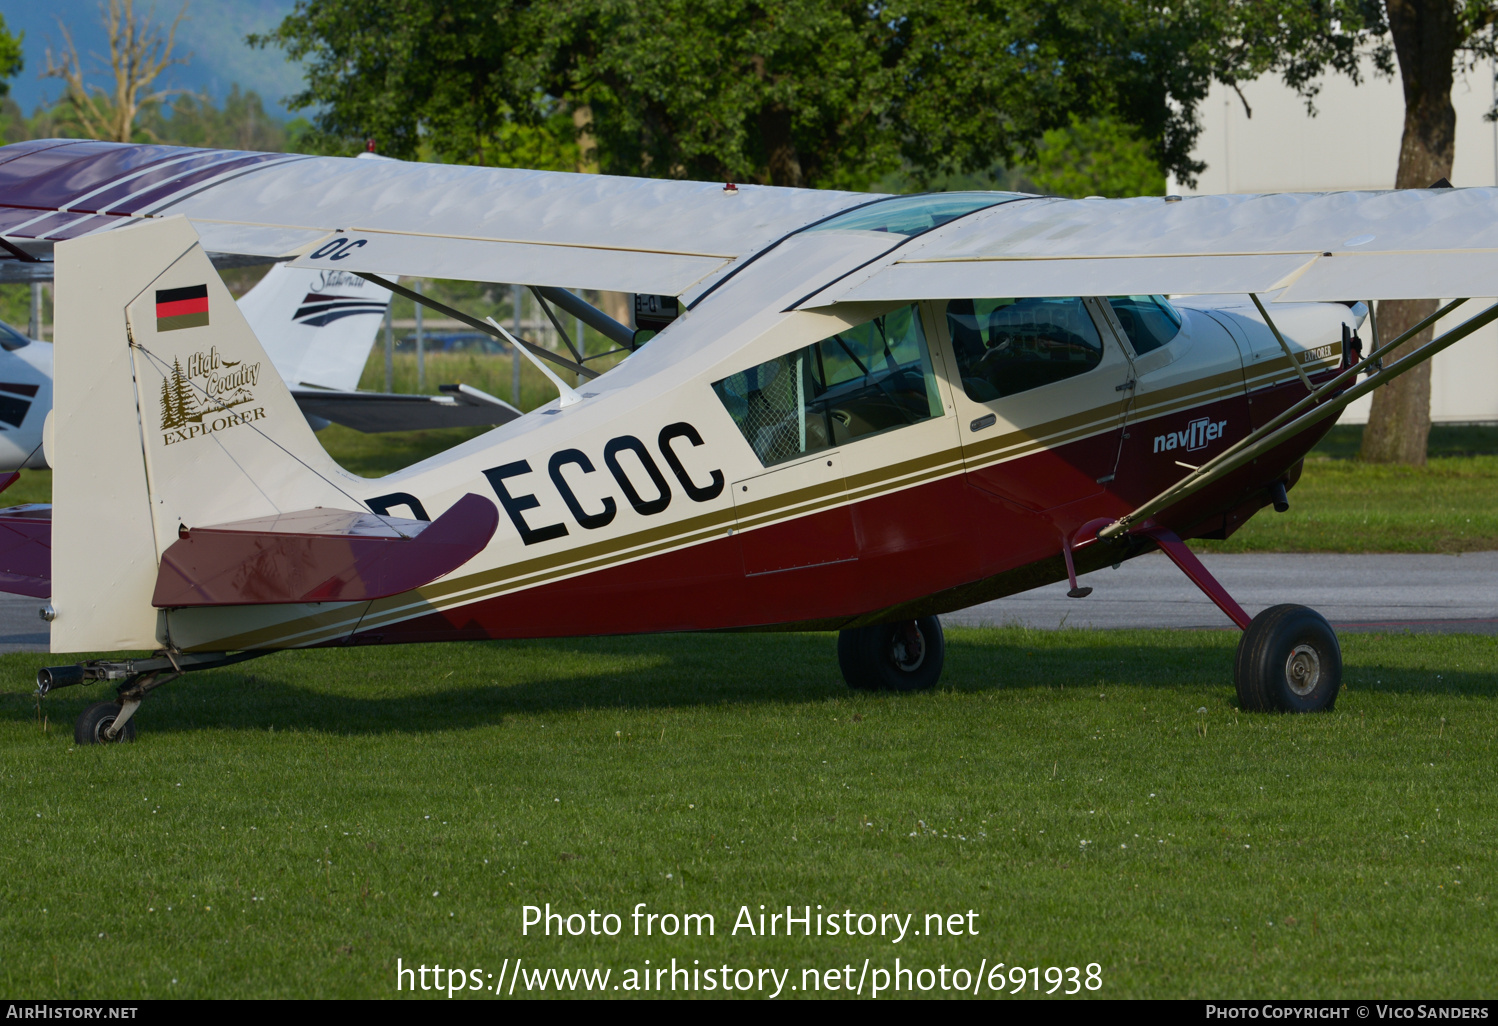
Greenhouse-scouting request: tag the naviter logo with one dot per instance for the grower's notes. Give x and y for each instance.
(202, 399)
(1196, 435)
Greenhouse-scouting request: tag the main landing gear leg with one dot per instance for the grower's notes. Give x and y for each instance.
(1288, 659)
(109, 722)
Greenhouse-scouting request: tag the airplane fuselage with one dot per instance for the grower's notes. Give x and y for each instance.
(664, 502)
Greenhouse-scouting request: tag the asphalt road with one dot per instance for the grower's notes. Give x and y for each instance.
(1442, 594)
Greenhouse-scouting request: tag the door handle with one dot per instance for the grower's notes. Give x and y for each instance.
(1127, 384)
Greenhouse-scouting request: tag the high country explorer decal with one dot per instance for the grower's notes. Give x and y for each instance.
(202, 399)
(182, 308)
(1197, 435)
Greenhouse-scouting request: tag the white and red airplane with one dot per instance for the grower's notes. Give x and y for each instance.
(869, 411)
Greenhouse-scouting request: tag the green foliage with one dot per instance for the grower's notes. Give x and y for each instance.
(10, 56)
(793, 92)
(15, 304)
(978, 84)
(424, 77)
(829, 93)
(1101, 157)
(1347, 506)
(241, 123)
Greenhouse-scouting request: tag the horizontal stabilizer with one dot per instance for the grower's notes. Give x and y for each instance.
(393, 411)
(319, 555)
(26, 550)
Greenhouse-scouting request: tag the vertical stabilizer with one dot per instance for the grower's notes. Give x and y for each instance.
(168, 414)
(317, 326)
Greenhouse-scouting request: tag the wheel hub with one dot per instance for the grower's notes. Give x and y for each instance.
(1303, 670)
(909, 648)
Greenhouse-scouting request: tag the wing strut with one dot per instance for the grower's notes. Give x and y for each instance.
(474, 322)
(551, 316)
(619, 334)
(1310, 410)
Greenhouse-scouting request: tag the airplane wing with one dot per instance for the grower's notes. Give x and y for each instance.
(395, 218)
(372, 412)
(678, 238)
(1405, 244)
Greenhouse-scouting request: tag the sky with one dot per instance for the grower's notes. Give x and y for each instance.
(213, 35)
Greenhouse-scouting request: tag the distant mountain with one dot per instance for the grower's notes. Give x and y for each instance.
(213, 35)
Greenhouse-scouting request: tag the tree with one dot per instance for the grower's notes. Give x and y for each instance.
(1424, 42)
(170, 418)
(1429, 38)
(138, 53)
(442, 80)
(792, 93)
(183, 403)
(825, 93)
(10, 57)
(241, 123)
(654, 87)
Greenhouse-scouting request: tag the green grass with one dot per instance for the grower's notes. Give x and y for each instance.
(291, 827)
(1344, 441)
(1449, 505)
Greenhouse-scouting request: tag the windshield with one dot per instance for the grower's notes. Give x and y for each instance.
(1149, 321)
(912, 215)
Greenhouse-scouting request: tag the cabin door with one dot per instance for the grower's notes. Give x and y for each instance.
(1042, 393)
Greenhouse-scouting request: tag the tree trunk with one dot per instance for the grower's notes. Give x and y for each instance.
(780, 147)
(587, 148)
(1426, 38)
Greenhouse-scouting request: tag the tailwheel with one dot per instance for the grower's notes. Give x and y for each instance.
(902, 656)
(94, 726)
(1288, 660)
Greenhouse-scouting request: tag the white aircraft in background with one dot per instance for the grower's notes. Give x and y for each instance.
(317, 326)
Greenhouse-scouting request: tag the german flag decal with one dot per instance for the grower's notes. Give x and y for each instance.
(182, 308)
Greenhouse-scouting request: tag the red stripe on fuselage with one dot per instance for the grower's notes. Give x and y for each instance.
(950, 539)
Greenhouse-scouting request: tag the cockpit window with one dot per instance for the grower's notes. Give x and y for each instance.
(912, 215)
(1007, 346)
(1149, 321)
(857, 382)
(11, 339)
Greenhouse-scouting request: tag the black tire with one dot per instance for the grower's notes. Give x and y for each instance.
(89, 730)
(903, 656)
(1288, 661)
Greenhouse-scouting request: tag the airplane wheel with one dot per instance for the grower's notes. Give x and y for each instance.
(90, 728)
(1288, 660)
(904, 656)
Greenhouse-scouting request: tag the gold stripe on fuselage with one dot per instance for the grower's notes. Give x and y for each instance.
(586, 558)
